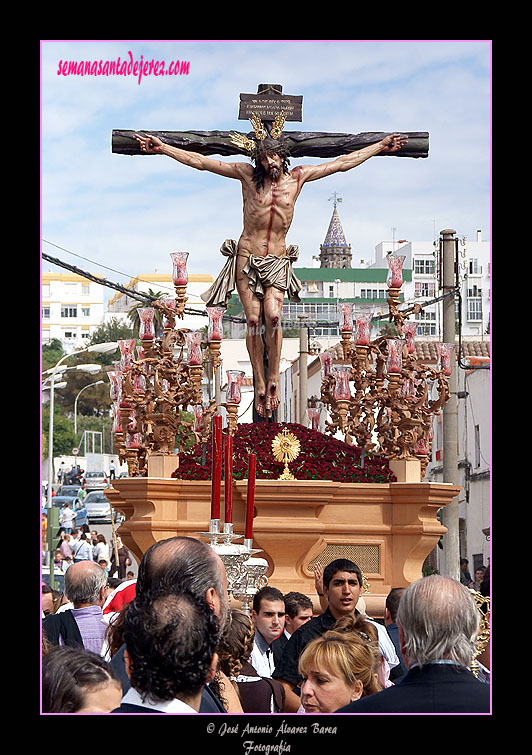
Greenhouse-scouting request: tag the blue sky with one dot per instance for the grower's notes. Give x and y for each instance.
(129, 213)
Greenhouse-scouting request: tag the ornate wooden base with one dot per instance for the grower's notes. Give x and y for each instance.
(388, 529)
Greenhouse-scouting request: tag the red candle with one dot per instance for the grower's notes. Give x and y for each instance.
(228, 487)
(216, 466)
(252, 467)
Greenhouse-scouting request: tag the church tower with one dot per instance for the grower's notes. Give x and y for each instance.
(335, 251)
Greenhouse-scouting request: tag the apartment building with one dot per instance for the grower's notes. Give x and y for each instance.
(72, 308)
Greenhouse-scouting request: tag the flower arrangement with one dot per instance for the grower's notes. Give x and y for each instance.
(321, 457)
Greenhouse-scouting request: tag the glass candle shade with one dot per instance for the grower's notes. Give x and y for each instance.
(421, 447)
(126, 353)
(394, 362)
(214, 331)
(445, 353)
(395, 271)
(170, 303)
(345, 312)
(117, 424)
(362, 328)
(409, 331)
(314, 416)
(147, 326)
(234, 383)
(193, 340)
(326, 360)
(139, 384)
(133, 440)
(342, 373)
(179, 273)
(198, 416)
(115, 379)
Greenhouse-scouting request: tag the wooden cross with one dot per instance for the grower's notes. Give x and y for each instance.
(269, 101)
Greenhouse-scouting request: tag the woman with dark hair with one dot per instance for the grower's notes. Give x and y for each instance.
(75, 680)
(257, 694)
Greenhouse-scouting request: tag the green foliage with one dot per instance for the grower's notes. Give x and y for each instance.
(51, 353)
(64, 440)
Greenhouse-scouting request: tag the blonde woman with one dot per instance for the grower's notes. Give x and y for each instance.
(336, 669)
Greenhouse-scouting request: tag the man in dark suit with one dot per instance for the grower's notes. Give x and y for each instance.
(170, 655)
(298, 609)
(438, 625)
(183, 564)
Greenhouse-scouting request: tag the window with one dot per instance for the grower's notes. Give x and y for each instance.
(46, 291)
(86, 311)
(69, 310)
(46, 313)
(331, 291)
(85, 289)
(424, 289)
(475, 268)
(474, 309)
(477, 445)
(423, 266)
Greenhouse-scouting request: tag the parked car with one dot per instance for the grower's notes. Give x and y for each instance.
(75, 504)
(71, 491)
(95, 481)
(99, 508)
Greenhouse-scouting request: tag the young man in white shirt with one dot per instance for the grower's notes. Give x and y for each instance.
(268, 616)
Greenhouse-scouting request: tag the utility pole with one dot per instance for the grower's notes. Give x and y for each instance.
(303, 373)
(451, 540)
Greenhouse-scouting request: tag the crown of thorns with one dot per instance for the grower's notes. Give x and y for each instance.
(250, 145)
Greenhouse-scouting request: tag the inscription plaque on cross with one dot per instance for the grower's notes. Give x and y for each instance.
(260, 264)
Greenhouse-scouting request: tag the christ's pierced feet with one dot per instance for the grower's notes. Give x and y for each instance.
(273, 396)
(260, 400)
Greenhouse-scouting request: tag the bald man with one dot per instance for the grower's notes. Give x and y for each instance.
(85, 588)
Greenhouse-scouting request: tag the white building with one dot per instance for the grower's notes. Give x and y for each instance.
(72, 309)
(120, 304)
(422, 258)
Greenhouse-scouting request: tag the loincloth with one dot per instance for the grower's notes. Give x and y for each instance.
(262, 272)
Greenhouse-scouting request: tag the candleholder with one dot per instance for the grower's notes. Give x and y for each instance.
(234, 384)
(314, 414)
(126, 347)
(395, 270)
(394, 362)
(409, 332)
(147, 326)
(326, 360)
(445, 353)
(362, 328)
(214, 334)
(254, 580)
(180, 280)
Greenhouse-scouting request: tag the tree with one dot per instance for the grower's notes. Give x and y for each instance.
(115, 329)
(64, 440)
(51, 353)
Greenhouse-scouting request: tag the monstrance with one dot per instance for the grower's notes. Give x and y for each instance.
(286, 448)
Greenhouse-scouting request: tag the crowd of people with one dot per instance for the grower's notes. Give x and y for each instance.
(169, 642)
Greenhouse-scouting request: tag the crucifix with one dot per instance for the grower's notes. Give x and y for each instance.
(260, 264)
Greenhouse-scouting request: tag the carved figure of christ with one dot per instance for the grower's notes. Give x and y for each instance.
(268, 211)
